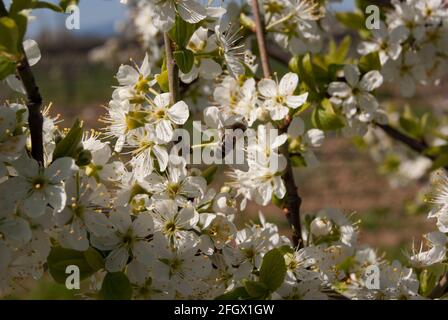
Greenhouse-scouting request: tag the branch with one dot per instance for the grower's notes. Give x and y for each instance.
(414, 144)
(260, 31)
(291, 208)
(173, 70)
(34, 103)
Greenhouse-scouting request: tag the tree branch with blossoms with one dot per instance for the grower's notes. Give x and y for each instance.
(34, 104)
(293, 201)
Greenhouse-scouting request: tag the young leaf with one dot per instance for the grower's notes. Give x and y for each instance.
(9, 36)
(209, 173)
(67, 147)
(184, 59)
(181, 32)
(256, 290)
(352, 20)
(116, 286)
(369, 62)
(66, 3)
(59, 258)
(325, 118)
(7, 67)
(273, 270)
(235, 294)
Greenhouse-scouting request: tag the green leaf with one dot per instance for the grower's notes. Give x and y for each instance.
(65, 3)
(325, 118)
(69, 146)
(9, 36)
(116, 286)
(352, 20)
(59, 258)
(94, 259)
(209, 173)
(303, 67)
(235, 294)
(47, 5)
(7, 67)
(19, 5)
(277, 201)
(338, 54)
(184, 59)
(22, 23)
(440, 161)
(369, 62)
(297, 161)
(162, 81)
(429, 277)
(181, 32)
(273, 270)
(256, 290)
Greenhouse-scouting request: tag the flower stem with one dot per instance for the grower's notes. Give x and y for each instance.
(173, 70)
(34, 103)
(260, 31)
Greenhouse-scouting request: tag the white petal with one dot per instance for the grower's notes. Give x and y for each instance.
(267, 88)
(32, 51)
(117, 259)
(288, 84)
(97, 223)
(296, 101)
(179, 113)
(191, 11)
(164, 130)
(162, 157)
(143, 225)
(127, 75)
(143, 252)
(121, 219)
(351, 74)
(162, 100)
(339, 89)
(371, 80)
(60, 169)
(34, 205)
(56, 197)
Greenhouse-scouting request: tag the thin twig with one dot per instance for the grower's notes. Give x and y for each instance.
(173, 70)
(34, 103)
(260, 30)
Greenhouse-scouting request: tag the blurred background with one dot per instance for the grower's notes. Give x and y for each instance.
(78, 86)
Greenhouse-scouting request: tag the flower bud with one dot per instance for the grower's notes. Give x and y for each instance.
(320, 227)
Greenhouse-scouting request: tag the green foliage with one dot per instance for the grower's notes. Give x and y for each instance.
(352, 20)
(66, 3)
(69, 145)
(209, 173)
(7, 67)
(9, 37)
(116, 286)
(272, 275)
(273, 269)
(88, 262)
(184, 59)
(181, 32)
(369, 62)
(414, 125)
(429, 277)
(325, 118)
(256, 290)
(19, 5)
(237, 293)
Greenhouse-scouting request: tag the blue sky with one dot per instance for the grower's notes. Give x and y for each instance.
(100, 16)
